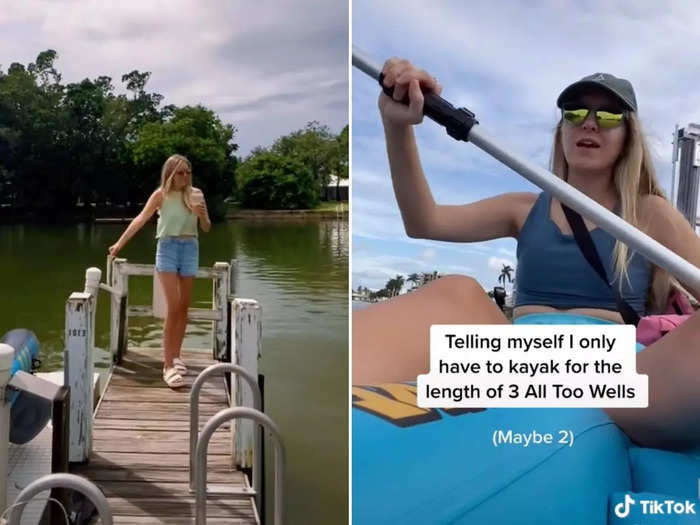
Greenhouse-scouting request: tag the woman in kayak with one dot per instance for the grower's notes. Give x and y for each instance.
(599, 148)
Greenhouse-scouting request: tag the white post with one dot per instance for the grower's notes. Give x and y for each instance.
(78, 373)
(246, 320)
(220, 299)
(92, 280)
(92, 286)
(7, 355)
(119, 320)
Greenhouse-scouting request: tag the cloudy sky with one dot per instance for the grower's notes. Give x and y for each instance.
(507, 61)
(266, 67)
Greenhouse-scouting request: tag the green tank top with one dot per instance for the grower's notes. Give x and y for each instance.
(174, 219)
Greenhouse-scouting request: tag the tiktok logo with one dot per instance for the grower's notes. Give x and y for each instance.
(655, 506)
(622, 510)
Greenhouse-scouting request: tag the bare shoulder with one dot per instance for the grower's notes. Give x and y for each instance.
(522, 198)
(650, 204)
(520, 204)
(659, 219)
(156, 199)
(657, 213)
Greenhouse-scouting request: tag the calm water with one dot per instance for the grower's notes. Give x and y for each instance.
(297, 270)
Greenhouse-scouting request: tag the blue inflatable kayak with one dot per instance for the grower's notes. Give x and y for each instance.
(432, 466)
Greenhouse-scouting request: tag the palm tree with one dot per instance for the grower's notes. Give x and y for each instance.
(399, 283)
(505, 274)
(390, 287)
(413, 278)
(427, 277)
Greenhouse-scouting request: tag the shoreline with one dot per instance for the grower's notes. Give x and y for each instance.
(237, 214)
(277, 214)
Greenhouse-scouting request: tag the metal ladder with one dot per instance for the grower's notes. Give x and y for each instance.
(200, 443)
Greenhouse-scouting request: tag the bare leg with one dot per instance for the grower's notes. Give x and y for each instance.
(170, 283)
(186, 284)
(672, 419)
(390, 340)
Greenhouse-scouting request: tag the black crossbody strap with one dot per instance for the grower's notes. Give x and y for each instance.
(588, 249)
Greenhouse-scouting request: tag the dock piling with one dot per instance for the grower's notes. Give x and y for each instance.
(79, 372)
(246, 323)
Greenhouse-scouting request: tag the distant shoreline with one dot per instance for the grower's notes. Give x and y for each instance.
(125, 215)
(277, 214)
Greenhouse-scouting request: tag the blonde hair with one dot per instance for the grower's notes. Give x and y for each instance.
(634, 177)
(171, 166)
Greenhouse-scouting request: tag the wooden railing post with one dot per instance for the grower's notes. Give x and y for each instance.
(92, 286)
(79, 372)
(119, 317)
(220, 292)
(247, 347)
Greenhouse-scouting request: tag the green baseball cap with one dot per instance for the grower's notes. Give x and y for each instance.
(619, 87)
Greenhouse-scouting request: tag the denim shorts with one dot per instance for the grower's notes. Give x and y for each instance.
(178, 255)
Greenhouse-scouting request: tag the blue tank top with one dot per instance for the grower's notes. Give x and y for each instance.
(552, 271)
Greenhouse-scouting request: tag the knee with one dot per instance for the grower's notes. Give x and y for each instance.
(183, 308)
(176, 310)
(459, 285)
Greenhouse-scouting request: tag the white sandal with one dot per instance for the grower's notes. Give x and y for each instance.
(173, 378)
(180, 366)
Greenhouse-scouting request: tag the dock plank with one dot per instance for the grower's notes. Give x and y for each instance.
(128, 393)
(140, 446)
(141, 520)
(182, 426)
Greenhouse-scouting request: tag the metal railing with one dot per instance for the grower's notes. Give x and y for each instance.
(118, 272)
(200, 465)
(66, 481)
(194, 425)
(80, 333)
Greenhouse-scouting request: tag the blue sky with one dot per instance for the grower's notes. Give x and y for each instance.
(507, 61)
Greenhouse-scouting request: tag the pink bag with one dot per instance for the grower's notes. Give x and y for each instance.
(651, 328)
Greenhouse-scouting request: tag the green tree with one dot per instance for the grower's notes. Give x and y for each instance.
(273, 181)
(394, 285)
(313, 146)
(61, 145)
(31, 154)
(339, 159)
(199, 134)
(143, 106)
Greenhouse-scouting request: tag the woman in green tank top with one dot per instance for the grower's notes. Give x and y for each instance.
(181, 207)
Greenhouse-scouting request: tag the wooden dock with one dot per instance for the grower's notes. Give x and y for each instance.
(140, 448)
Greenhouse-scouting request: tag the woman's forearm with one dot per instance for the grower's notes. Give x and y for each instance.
(134, 226)
(410, 187)
(205, 223)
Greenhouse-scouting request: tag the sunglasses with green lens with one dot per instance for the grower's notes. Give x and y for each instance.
(604, 118)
